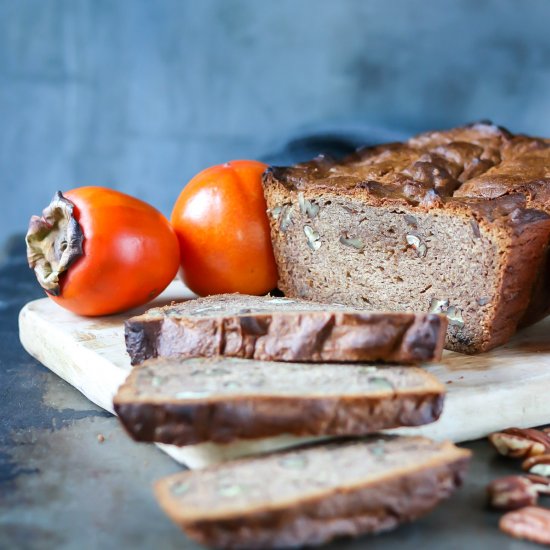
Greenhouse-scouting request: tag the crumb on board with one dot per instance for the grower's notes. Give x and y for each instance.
(100, 438)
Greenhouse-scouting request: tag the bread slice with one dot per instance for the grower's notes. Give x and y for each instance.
(184, 402)
(279, 329)
(454, 222)
(313, 495)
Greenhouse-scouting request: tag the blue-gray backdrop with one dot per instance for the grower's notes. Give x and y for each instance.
(141, 94)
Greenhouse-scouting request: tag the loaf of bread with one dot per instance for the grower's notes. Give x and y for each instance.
(191, 401)
(313, 495)
(453, 222)
(279, 329)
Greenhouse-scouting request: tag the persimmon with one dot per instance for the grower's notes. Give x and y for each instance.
(221, 222)
(98, 251)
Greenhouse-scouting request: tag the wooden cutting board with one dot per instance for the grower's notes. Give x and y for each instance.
(509, 386)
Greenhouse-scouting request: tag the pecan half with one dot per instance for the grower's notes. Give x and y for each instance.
(542, 484)
(512, 492)
(520, 443)
(530, 523)
(539, 465)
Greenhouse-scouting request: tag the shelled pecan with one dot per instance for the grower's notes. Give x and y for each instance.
(541, 483)
(512, 492)
(539, 465)
(521, 443)
(530, 523)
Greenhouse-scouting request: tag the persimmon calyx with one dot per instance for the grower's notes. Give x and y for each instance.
(54, 241)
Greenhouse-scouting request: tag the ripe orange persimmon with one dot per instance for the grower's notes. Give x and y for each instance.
(221, 222)
(97, 251)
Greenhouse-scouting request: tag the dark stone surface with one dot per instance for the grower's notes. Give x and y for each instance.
(61, 488)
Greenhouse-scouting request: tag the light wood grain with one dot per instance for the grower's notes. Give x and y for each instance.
(507, 386)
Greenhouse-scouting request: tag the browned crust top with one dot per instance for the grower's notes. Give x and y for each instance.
(461, 165)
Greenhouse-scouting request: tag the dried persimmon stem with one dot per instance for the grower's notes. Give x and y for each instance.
(54, 241)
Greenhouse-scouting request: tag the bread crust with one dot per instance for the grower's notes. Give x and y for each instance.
(477, 161)
(325, 335)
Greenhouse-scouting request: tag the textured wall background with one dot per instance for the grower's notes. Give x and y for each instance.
(141, 94)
